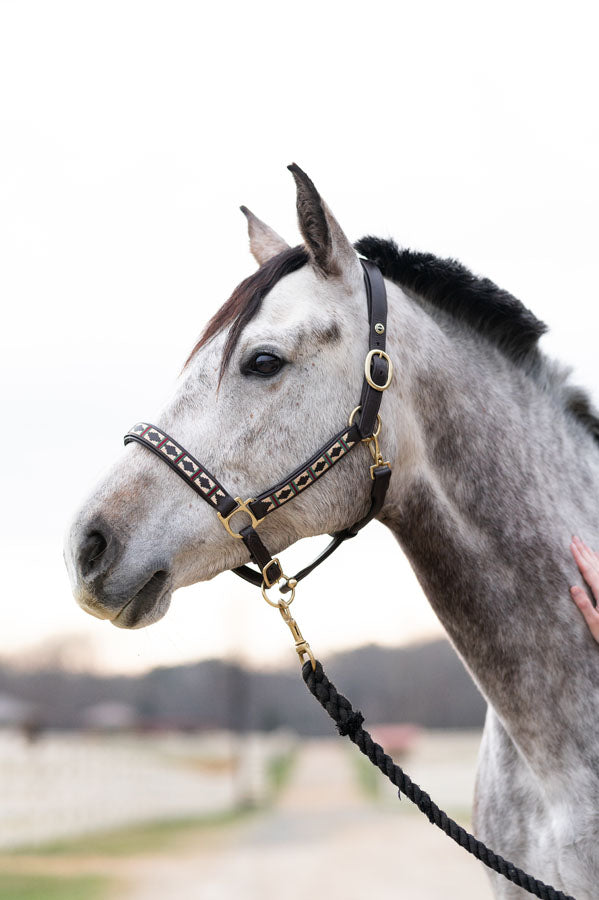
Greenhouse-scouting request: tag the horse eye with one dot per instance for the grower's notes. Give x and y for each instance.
(264, 364)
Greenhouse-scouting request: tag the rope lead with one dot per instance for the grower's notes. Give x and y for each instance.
(349, 722)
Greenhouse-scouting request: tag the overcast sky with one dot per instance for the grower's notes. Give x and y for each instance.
(130, 132)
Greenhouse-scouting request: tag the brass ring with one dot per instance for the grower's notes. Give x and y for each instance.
(378, 423)
(281, 602)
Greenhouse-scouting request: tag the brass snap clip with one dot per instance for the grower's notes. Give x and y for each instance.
(373, 442)
(302, 647)
(375, 452)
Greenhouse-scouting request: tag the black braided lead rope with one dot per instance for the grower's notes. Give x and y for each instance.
(349, 722)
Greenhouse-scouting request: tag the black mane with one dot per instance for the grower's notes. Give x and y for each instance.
(450, 286)
(445, 283)
(493, 312)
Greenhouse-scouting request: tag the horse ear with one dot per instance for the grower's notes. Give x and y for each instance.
(330, 250)
(264, 241)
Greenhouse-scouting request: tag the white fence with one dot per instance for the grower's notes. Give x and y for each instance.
(64, 785)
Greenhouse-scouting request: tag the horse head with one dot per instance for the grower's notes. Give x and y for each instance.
(275, 373)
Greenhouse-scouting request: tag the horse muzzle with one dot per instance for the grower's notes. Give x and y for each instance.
(104, 585)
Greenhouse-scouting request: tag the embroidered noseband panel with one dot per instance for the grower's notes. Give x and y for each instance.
(180, 460)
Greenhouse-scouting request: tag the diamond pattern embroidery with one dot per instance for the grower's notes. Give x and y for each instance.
(336, 451)
(212, 491)
(188, 466)
(303, 480)
(171, 450)
(286, 493)
(203, 482)
(308, 476)
(320, 466)
(153, 436)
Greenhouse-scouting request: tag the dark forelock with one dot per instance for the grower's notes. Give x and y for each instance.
(246, 300)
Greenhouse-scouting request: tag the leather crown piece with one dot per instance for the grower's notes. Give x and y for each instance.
(377, 377)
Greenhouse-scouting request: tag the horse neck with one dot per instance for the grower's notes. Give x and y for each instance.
(491, 479)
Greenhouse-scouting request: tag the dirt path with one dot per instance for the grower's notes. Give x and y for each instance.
(323, 835)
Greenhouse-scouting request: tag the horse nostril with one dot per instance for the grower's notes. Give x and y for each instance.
(93, 554)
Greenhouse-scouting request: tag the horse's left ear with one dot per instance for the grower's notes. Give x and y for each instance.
(330, 250)
(264, 240)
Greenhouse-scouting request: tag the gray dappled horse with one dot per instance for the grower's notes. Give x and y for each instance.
(495, 465)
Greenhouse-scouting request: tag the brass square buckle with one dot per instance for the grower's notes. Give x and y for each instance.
(267, 581)
(242, 507)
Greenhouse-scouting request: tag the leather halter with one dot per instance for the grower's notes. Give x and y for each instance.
(378, 372)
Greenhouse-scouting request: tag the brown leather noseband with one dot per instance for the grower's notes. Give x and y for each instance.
(364, 425)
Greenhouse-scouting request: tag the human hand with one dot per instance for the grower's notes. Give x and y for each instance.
(588, 563)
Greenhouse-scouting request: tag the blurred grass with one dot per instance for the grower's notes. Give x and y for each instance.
(52, 887)
(133, 839)
(367, 776)
(278, 771)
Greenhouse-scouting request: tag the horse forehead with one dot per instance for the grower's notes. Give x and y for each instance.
(301, 298)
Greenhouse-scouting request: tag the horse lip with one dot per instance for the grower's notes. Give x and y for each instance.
(97, 612)
(156, 588)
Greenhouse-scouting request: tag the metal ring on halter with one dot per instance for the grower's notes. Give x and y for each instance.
(378, 423)
(281, 602)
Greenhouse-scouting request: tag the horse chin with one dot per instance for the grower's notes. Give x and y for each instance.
(148, 605)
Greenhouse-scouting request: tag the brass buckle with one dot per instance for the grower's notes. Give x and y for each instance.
(265, 577)
(368, 364)
(242, 506)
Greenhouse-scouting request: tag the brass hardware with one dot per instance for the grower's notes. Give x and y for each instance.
(302, 647)
(379, 462)
(379, 328)
(265, 577)
(373, 443)
(242, 506)
(367, 365)
(375, 452)
(378, 422)
(291, 583)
